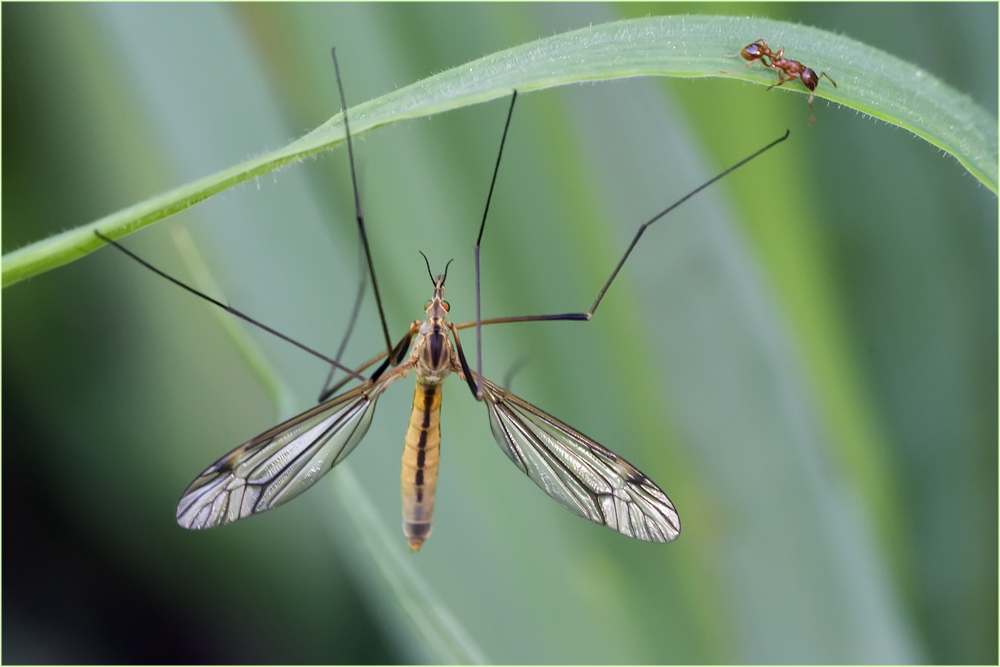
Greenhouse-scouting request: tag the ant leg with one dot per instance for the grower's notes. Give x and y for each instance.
(762, 60)
(752, 61)
(781, 81)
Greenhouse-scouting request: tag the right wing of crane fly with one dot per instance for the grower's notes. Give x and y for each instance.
(278, 465)
(581, 474)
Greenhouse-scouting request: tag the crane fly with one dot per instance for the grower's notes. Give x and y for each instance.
(575, 470)
(578, 472)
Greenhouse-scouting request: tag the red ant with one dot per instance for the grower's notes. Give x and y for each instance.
(787, 69)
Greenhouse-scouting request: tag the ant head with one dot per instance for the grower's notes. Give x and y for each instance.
(756, 50)
(809, 78)
(751, 51)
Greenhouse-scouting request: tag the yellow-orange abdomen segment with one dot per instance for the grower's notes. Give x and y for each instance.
(420, 463)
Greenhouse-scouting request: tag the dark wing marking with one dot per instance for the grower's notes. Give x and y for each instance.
(278, 465)
(582, 475)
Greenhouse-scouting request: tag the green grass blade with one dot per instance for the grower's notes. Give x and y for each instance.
(277, 390)
(443, 636)
(869, 81)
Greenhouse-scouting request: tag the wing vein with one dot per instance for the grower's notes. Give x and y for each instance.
(281, 463)
(578, 472)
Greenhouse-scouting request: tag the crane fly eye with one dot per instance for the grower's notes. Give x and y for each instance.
(427, 305)
(447, 306)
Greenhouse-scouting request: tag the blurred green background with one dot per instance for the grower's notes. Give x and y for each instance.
(804, 357)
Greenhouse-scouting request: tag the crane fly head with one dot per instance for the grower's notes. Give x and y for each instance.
(438, 290)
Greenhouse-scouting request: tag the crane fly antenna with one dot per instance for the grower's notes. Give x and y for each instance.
(229, 309)
(357, 209)
(428, 263)
(479, 239)
(431, 273)
(586, 316)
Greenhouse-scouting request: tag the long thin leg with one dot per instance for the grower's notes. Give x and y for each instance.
(368, 364)
(229, 309)
(474, 385)
(514, 369)
(478, 391)
(586, 316)
(350, 325)
(357, 210)
(397, 353)
(394, 353)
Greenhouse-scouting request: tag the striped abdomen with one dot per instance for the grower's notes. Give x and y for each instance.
(420, 463)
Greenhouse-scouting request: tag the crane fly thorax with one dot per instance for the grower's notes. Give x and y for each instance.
(432, 349)
(432, 353)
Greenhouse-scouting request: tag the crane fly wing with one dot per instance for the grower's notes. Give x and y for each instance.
(581, 474)
(278, 465)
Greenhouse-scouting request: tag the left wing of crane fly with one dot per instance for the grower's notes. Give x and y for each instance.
(581, 474)
(278, 465)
